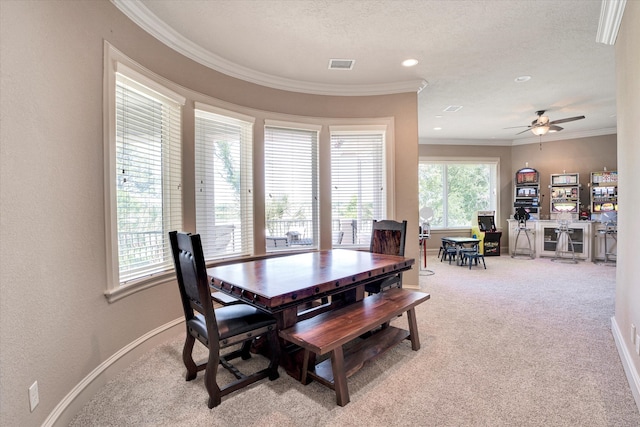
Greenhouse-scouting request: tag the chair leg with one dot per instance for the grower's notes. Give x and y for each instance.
(245, 352)
(187, 358)
(210, 374)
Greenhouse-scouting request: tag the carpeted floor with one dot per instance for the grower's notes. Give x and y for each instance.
(522, 343)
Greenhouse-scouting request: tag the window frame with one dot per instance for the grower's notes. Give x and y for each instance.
(247, 223)
(314, 233)
(388, 201)
(117, 63)
(495, 184)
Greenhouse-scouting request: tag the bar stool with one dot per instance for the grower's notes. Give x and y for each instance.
(426, 215)
(522, 216)
(609, 221)
(563, 230)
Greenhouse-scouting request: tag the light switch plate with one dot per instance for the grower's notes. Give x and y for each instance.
(34, 399)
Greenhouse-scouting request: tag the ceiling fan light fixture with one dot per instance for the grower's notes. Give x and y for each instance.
(540, 130)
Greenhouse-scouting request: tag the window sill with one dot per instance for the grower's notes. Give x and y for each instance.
(131, 288)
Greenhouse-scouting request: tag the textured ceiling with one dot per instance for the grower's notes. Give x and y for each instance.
(470, 52)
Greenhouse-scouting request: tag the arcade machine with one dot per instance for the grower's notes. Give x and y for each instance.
(487, 233)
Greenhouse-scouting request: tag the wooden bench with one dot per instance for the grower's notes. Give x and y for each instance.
(329, 331)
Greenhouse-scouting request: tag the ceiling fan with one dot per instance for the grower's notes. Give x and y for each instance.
(542, 125)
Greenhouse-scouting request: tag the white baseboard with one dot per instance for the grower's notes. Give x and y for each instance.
(82, 393)
(627, 362)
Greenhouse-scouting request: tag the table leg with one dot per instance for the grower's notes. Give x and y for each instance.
(292, 357)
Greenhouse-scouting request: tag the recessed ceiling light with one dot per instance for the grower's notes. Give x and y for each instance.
(409, 62)
(522, 79)
(437, 128)
(439, 116)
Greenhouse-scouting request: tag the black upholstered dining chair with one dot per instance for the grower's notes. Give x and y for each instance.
(219, 328)
(387, 237)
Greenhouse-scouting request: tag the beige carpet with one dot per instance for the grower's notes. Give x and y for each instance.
(522, 343)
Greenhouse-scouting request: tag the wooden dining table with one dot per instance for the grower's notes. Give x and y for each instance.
(299, 286)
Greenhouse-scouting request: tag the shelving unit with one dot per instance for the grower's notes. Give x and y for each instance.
(604, 193)
(545, 238)
(527, 190)
(565, 194)
(580, 232)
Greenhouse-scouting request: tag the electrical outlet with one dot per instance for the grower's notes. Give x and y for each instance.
(633, 334)
(34, 399)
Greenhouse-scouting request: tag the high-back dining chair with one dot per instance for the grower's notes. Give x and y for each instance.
(387, 237)
(237, 324)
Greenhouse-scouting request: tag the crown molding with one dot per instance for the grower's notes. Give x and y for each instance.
(461, 141)
(550, 137)
(610, 17)
(148, 21)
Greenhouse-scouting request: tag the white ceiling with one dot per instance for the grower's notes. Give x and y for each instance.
(470, 52)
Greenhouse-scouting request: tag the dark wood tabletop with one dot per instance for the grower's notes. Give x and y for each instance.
(276, 283)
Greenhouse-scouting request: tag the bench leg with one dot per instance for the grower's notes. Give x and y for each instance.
(413, 330)
(305, 367)
(339, 376)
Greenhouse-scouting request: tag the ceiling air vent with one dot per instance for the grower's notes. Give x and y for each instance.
(341, 64)
(452, 108)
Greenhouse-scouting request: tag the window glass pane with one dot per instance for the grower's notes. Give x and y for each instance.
(470, 187)
(224, 205)
(291, 188)
(357, 185)
(430, 188)
(469, 191)
(148, 179)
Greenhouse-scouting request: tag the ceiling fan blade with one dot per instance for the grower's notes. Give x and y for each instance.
(569, 119)
(526, 130)
(555, 128)
(513, 127)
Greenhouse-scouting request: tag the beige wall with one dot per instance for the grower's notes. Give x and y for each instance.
(628, 105)
(57, 326)
(583, 155)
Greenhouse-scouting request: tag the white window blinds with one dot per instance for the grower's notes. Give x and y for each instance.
(291, 188)
(148, 178)
(224, 184)
(358, 193)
